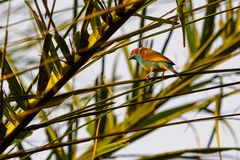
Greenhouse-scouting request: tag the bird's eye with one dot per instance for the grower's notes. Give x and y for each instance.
(136, 51)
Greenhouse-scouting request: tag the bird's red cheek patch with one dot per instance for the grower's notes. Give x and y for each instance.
(136, 51)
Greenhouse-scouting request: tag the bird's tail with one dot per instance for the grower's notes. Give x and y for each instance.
(174, 71)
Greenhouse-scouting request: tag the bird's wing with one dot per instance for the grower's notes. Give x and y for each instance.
(150, 55)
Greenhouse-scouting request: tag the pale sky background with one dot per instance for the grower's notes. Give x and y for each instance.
(163, 139)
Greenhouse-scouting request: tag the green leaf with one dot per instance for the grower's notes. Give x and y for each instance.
(81, 40)
(64, 48)
(44, 69)
(180, 12)
(41, 25)
(191, 31)
(107, 18)
(237, 28)
(101, 150)
(20, 147)
(15, 86)
(208, 26)
(178, 154)
(52, 135)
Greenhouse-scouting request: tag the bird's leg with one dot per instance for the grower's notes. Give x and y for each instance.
(148, 75)
(163, 75)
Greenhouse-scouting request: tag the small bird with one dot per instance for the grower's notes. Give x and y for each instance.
(152, 61)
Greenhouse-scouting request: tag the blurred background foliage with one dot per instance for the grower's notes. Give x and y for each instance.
(51, 101)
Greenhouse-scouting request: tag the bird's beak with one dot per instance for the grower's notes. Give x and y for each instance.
(130, 57)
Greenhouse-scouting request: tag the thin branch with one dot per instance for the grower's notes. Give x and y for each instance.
(84, 114)
(58, 144)
(70, 72)
(95, 88)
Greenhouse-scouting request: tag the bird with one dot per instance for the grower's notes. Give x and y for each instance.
(152, 61)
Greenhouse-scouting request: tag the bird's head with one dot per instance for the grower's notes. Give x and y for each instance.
(135, 53)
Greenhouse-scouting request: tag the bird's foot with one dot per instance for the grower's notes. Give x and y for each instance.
(146, 77)
(163, 75)
(180, 76)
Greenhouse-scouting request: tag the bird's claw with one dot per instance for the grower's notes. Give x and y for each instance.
(163, 75)
(146, 77)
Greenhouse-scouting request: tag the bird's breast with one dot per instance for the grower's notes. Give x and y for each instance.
(154, 66)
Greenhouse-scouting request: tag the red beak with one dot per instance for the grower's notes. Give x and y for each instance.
(130, 57)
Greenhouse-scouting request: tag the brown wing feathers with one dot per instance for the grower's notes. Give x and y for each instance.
(150, 55)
